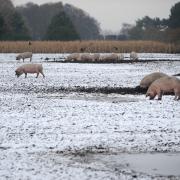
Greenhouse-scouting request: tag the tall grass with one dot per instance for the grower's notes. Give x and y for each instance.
(87, 46)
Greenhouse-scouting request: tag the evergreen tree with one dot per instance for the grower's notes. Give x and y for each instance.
(19, 30)
(12, 25)
(174, 19)
(38, 19)
(148, 29)
(1, 26)
(87, 27)
(61, 28)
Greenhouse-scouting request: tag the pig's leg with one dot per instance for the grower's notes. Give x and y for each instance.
(37, 75)
(42, 74)
(177, 95)
(160, 93)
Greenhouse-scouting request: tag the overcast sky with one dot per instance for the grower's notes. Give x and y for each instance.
(112, 13)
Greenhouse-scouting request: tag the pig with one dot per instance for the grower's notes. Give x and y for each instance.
(108, 57)
(24, 55)
(74, 57)
(120, 57)
(29, 68)
(90, 57)
(165, 84)
(150, 78)
(133, 56)
(86, 57)
(96, 57)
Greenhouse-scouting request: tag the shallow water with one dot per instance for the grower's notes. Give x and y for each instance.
(163, 164)
(92, 97)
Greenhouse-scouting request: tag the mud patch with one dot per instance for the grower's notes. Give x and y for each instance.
(118, 90)
(104, 90)
(98, 149)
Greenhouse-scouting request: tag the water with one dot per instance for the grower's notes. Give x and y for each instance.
(163, 164)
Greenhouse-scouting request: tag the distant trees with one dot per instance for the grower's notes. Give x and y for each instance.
(19, 29)
(12, 25)
(173, 32)
(174, 18)
(39, 18)
(55, 21)
(86, 26)
(61, 28)
(147, 28)
(2, 23)
(51, 21)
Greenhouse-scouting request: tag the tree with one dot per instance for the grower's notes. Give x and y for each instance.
(61, 28)
(148, 29)
(136, 33)
(87, 27)
(12, 26)
(174, 19)
(1, 26)
(19, 30)
(38, 17)
(125, 28)
(151, 23)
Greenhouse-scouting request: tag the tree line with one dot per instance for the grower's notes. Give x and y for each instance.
(51, 21)
(12, 25)
(55, 21)
(147, 28)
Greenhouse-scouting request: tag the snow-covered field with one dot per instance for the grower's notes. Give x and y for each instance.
(41, 133)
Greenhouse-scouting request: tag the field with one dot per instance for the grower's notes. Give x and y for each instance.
(88, 46)
(51, 130)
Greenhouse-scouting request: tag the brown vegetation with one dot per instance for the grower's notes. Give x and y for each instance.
(87, 46)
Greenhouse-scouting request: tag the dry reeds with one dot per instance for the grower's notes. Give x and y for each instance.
(87, 46)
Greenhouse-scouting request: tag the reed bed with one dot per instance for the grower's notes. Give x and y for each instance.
(88, 46)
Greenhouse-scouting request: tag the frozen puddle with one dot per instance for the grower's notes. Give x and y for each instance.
(93, 97)
(161, 164)
(82, 165)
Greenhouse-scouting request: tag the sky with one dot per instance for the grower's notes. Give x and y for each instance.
(111, 14)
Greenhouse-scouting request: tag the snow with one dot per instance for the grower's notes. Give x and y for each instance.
(83, 75)
(40, 132)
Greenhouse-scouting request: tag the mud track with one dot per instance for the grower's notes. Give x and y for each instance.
(79, 89)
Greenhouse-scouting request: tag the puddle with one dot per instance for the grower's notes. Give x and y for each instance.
(104, 99)
(92, 97)
(163, 164)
